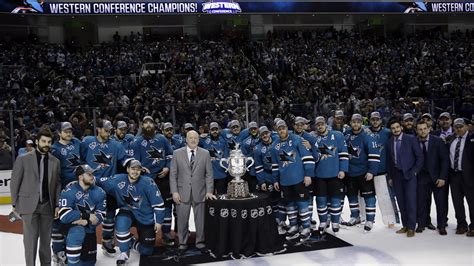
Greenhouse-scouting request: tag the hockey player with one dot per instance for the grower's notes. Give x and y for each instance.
(140, 205)
(186, 128)
(103, 155)
(81, 210)
(329, 173)
(292, 168)
(218, 149)
(338, 122)
(263, 170)
(123, 137)
(176, 141)
(385, 193)
(67, 152)
(234, 134)
(364, 159)
(125, 140)
(248, 146)
(307, 139)
(155, 153)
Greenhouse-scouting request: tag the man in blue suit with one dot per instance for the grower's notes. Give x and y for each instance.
(404, 161)
(432, 178)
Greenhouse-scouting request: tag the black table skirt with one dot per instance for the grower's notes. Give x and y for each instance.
(241, 227)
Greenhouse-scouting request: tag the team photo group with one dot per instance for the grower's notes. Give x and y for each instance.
(64, 188)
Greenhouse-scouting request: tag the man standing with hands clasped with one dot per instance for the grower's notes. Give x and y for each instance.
(191, 183)
(35, 188)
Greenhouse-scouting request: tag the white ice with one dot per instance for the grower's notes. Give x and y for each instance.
(381, 246)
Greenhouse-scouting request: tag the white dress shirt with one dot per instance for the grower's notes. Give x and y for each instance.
(452, 151)
(189, 153)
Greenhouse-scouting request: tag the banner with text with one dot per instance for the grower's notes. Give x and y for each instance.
(226, 7)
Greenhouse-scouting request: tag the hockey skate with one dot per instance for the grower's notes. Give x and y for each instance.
(335, 228)
(108, 248)
(353, 221)
(122, 259)
(292, 233)
(282, 228)
(59, 259)
(368, 226)
(168, 240)
(304, 235)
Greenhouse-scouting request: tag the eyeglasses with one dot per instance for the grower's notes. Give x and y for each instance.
(235, 127)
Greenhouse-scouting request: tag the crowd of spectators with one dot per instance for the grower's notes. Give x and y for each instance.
(289, 73)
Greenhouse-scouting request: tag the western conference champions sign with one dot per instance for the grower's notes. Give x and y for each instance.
(225, 7)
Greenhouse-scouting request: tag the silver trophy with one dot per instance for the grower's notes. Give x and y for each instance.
(236, 167)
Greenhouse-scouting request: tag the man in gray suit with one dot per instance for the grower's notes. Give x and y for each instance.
(191, 184)
(35, 187)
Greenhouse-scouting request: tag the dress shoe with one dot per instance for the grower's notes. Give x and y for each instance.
(470, 233)
(410, 233)
(442, 231)
(419, 229)
(430, 226)
(461, 231)
(182, 249)
(403, 230)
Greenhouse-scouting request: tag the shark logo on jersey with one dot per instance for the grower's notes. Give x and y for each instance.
(268, 159)
(326, 149)
(74, 161)
(354, 152)
(86, 208)
(155, 154)
(287, 157)
(233, 145)
(104, 160)
(215, 153)
(131, 201)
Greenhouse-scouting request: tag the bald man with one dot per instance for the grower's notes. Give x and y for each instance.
(191, 183)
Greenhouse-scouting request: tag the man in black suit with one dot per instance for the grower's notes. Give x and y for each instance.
(432, 178)
(461, 175)
(404, 162)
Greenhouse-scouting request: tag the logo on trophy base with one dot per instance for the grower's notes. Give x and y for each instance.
(237, 166)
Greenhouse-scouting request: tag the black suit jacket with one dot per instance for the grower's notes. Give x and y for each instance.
(467, 163)
(437, 159)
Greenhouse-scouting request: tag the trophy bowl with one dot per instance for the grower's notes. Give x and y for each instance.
(236, 167)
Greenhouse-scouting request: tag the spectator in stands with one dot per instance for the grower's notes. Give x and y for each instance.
(29, 147)
(5, 154)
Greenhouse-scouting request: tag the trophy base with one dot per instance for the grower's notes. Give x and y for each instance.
(238, 189)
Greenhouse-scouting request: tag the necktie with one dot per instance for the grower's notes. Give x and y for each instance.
(192, 158)
(457, 152)
(41, 174)
(425, 151)
(397, 148)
